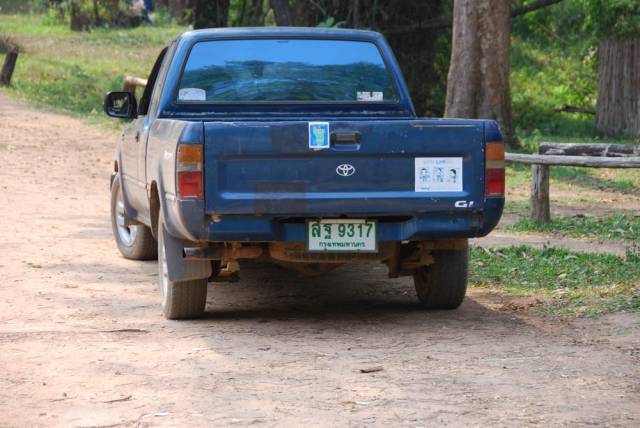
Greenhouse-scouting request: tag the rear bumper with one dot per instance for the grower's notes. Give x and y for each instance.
(439, 225)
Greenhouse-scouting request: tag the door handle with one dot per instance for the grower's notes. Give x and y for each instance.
(137, 136)
(346, 137)
(346, 140)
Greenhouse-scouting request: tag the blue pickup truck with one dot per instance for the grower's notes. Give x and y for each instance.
(299, 146)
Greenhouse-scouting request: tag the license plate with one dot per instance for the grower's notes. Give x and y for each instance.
(342, 235)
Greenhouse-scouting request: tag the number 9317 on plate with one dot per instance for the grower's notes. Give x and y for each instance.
(342, 235)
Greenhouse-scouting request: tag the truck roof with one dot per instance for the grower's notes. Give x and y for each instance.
(311, 32)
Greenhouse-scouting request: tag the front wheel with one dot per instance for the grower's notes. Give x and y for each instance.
(443, 284)
(134, 241)
(180, 300)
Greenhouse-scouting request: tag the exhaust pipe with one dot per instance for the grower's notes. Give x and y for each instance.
(222, 252)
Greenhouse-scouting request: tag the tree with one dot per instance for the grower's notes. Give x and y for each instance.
(282, 12)
(618, 108)
(177, 8)
(250, 13)
(210, 13)
(478, 81)
(617, 26)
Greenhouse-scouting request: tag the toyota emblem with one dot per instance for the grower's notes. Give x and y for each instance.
(345, 170)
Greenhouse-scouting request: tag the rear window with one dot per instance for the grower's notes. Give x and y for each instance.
(285, 70)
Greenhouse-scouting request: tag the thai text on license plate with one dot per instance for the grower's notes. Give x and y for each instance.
(336, 235)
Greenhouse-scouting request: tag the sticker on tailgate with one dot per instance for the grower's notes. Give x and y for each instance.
(318, 135)
(438, 174)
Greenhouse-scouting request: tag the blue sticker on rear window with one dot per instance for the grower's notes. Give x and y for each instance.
(318, 135)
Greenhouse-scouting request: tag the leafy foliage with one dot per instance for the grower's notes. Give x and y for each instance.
(612, 18)
(554, 61)
(554, 64)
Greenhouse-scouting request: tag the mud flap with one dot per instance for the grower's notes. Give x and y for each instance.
(178, 268)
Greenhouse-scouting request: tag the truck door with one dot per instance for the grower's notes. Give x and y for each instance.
(128, 161)
(137, 139)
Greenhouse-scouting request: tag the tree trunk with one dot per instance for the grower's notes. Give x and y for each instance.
(478, 82)
(250, 14)
(282, 12)
(177, 8)
(96, 14)
(355, 5)
(9, 65)
(618, 108)
(210, 13)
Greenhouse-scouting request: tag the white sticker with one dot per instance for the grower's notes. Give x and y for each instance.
(438, 174)
(369, 96)
(192, 94)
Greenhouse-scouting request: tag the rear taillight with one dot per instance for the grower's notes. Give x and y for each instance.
(189, 171)
(494, 172)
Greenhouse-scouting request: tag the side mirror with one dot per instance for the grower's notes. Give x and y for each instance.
(121, 105)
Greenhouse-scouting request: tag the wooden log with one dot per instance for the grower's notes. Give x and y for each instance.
(9, 65)
(586, 161)
(582, 149)
(540, 208)
(132, 82)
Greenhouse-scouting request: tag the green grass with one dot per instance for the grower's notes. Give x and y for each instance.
(573, 282)
(517, 206)
(70, 71)
(614, 226)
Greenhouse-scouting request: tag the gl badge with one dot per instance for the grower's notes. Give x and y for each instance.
(345, 170)
(464, 204)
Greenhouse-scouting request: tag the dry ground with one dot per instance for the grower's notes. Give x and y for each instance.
(83, 343)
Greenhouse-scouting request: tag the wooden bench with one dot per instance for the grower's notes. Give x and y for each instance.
(582, 155)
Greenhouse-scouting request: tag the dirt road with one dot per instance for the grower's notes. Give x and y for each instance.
(83, 342)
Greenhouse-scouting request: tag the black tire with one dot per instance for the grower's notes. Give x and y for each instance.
(180, 300)
(443, 284)
(135, 242)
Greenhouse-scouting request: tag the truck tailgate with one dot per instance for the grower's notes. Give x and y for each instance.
(384, 167)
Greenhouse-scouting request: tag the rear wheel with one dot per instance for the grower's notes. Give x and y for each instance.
(134, 241)
(443, 284)
(180, 300)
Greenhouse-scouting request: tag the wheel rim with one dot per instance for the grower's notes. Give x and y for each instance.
(164, 271)
(126, 233)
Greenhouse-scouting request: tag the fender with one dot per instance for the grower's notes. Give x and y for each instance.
(178, 268)
(171, 219)
(184, 219)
